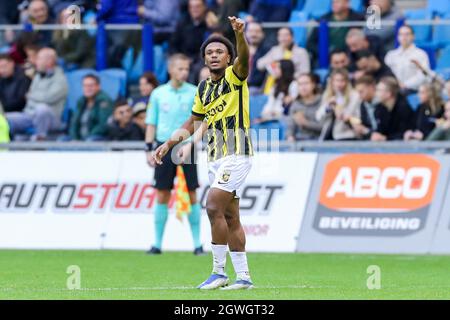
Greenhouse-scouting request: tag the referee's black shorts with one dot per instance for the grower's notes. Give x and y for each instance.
(166, 172)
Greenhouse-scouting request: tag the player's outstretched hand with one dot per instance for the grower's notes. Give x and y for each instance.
(237, 24)
(160, 152)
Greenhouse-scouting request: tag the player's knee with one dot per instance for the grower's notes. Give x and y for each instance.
(214, 212)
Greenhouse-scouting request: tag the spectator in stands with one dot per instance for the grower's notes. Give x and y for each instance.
(75, 47)
(163, 15)
(139, 116)
(442, 130)
(123, 128)
(338, 60)
(45, 99)
(204, 74)
(356, 40)
(302, 122)
(340, 12)
(286, 49)
(340, 103)
(147, 83)
(368, 64)
(257, 48)
(89, 121)
(284, 92)
(220, 22)
(38, 14)
(371, 112)
(430, 109)
(195, 26)
(9, 13)
(119, 12)
(14, 85)
(400, 116)
(400, 60)
(29, 66)
(270, 11)
(389, 12)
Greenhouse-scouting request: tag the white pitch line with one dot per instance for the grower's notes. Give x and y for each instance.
(154, 288)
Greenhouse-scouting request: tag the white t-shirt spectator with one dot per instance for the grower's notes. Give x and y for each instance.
(407, 73)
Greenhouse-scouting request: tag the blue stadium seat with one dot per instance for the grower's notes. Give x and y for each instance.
(431, 52)
(257, 103)
(128, 61)
(316, 9)
(423, 33)
(300, 5)
(438, 7)
(414, 101)
(441, 34)
(322, 73)
(270, 128)
(243, 14)
(74, 80)
(357, 5)
(443, 62)
(300, 33)
(114, 82)
(160, 63)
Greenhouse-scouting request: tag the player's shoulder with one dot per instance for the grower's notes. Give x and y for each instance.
(233, 77)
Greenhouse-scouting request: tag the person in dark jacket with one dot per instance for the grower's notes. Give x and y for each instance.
(190, 34)
(341, 12)
(14, 85)
(430, 109)
(257, 48)
(90, 119)
(371, 112)
(123, 128)
(119, 12)
(400, 116)
(356, 40)
(368, 64)
(163, 15)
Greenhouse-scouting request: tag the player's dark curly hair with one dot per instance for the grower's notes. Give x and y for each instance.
(221, 39)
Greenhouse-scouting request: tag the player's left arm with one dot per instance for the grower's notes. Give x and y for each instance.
(240, 66)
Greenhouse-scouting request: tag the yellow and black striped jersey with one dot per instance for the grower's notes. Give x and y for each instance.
(224, 105)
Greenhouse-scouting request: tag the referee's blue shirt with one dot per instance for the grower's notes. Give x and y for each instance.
(169, 108)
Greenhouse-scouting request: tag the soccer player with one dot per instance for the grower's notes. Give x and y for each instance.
(168, 109)
(222, 101)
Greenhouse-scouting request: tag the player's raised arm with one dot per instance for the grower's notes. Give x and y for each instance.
(240, 65)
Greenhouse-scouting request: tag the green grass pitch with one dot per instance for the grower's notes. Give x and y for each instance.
(33, 274)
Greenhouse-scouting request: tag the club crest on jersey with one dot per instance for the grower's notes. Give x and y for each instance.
(220, 89)
(226, 175)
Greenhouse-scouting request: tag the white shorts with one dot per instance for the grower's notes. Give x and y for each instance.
(229, 173)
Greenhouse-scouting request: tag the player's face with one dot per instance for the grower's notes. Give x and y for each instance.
(216, 56)
(179, 70)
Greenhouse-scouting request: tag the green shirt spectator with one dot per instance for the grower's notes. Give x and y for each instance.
(93, 110)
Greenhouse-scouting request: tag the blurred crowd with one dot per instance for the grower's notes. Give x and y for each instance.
(365, 95)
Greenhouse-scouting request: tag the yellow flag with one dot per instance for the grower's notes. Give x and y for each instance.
(183, 202)
(4, 130)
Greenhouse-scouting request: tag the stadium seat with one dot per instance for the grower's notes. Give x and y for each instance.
(413, 100)
(243, 15)
(316, 9)
(299, 5)
(257, 103)
(300, 33)
(128, 60)
(160, 63)
(322, 73)
(441, 33)
(357, 5)
(431, 52)
(267, 130)
(438, 7)
(443, 61)
(422, 32)
(114, 82)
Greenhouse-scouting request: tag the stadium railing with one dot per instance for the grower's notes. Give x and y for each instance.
(433, 147)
